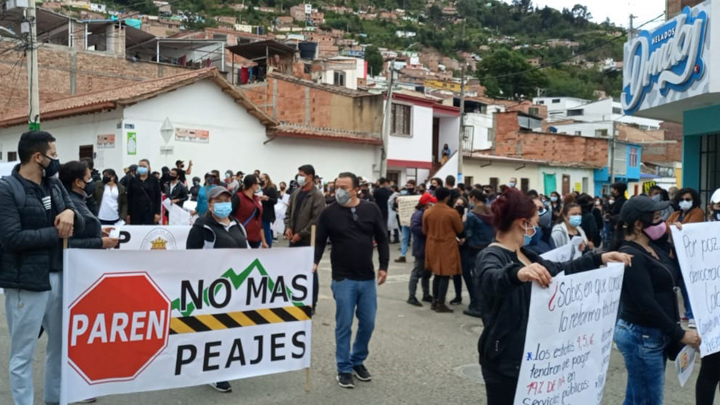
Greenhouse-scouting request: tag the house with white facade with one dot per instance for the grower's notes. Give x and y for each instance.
(558, 106)
(420, 127)
(196, 116)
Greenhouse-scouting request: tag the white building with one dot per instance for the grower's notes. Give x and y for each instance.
(205, 119)
(577, 109)
(558, 106)
(420, 128)
(343, 71)
(99, 8)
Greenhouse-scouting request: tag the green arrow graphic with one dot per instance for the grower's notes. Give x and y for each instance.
(237, 281)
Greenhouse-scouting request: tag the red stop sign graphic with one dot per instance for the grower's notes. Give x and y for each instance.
(117, 327)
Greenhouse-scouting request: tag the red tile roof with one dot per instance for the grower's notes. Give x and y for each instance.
(131, 94)
(298, 131)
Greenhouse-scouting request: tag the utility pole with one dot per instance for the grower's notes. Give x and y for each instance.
(461, 140)
(387, 121)
(32, 67)
(631, 32)
(612, 153)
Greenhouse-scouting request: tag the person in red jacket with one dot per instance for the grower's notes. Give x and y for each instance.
(247, 209)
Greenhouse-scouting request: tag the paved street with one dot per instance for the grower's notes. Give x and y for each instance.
(417, 357)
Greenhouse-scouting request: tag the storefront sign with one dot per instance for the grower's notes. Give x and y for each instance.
(192, 135)
(106, 141)
(668, 63)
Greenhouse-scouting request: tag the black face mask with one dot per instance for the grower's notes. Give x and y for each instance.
(106, 179)
(52, 168)
(89, 188)
(461, 210)
(411, 191)
(262, 183)
(716, 214)
(173, 177)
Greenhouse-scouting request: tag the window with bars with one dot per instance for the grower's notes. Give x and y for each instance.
(12, 156)
(401, 120)
(709, 166)
(633, 157)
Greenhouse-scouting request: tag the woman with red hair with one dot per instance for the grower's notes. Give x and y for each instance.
(505, 270)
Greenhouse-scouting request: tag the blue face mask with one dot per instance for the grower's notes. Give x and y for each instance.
(142, 170)
(553, 199)
(222, 209)
(404, 192)
(575, 220)
(527, 239)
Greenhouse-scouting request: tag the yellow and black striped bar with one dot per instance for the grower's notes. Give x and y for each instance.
(206, 323)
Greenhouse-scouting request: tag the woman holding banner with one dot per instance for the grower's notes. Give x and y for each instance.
(648, 330)
(218, 230)
(505, 272)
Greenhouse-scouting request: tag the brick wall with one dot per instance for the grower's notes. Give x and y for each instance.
(675, 6)
(511, 142)
(64, 72)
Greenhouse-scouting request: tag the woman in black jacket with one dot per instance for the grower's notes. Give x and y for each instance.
(269, 198)
(218, 230)
(648, 328)
(505, 270)
(76, 177)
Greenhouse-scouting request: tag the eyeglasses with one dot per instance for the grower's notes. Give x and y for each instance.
(354, 214)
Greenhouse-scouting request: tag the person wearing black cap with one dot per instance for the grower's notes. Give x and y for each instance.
(180, 166)
(648, 330)
(218, 230)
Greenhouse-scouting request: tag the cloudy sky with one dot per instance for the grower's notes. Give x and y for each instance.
(618, 10)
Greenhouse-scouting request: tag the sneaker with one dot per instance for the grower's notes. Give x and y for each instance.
(427, 298)
(401, 259)
(692, 324)
(361, 373)
(414, 301)
(441, 308)
(456, 301)
(345, 380)
(222, 386)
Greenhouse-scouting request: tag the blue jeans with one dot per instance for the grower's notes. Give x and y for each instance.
(353, 298)
(686, 301)
(267, 228)
(406, 236)
(643, 349)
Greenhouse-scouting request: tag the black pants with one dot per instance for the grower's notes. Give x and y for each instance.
(500, 388)
(457, 283)
(316, 280)
(142, 218)
(440, 287)
(103, 222)
(708, 379)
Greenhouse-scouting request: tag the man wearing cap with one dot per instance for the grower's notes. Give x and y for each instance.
(419, 271)
(180, 166)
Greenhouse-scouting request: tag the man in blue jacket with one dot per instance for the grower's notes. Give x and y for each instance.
(418, 249)
(36, 214)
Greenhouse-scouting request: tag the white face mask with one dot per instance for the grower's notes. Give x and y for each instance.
(301, 181)
(685, 205)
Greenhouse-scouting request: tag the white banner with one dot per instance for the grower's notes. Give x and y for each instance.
(144, 321)
(698, 251)
(566, 253)
(156, 237)
(406, 207)
(569, 338)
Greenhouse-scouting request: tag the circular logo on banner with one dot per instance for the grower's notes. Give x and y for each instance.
(159, 239)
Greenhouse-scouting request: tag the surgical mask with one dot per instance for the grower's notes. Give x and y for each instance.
(106, 179)
(512, 184)
(611, 202)
(301, 181)
(471, 205)
(575, 220)
(553, 199)
(142, 170)
(527, 239)
(656, 198)
(656, 231)
(685, 205)
(222, 209)
(52, 168)
(545, 219)
(404, 192)
(342, 197)
(196, 183)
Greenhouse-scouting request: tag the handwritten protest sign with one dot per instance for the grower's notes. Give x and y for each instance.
(698, 251)
(406, 207)
(569, 338)
(563, 254)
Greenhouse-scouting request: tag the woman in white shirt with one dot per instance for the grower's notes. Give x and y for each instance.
(111, 198)
(569, 227)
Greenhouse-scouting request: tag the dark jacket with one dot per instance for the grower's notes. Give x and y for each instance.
(301, 217)
(479, 231)
(269, 205)
(542, 242)
(91, 235)
(122, 198)
(143, 197)
(207, 233)
(31, 248)
(180, 192)
(506, 303)
(382, 196)
(648, 296)
(589, 225)
(615, 211)
(419, 240)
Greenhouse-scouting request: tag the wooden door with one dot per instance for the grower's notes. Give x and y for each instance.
(565, 184)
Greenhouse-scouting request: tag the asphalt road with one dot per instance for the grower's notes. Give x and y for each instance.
(416, 357)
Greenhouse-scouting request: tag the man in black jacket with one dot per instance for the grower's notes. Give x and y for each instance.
(143, 197)
(617, 191)
(175, 189)
(36, 213)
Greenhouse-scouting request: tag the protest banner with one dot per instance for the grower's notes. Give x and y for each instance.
(569, 338)
(698, 251)
(406, 207)
(143, 321)
(143, 237)
(566, 253)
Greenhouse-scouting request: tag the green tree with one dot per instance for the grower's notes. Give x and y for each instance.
(374, 60)
(506, 73)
